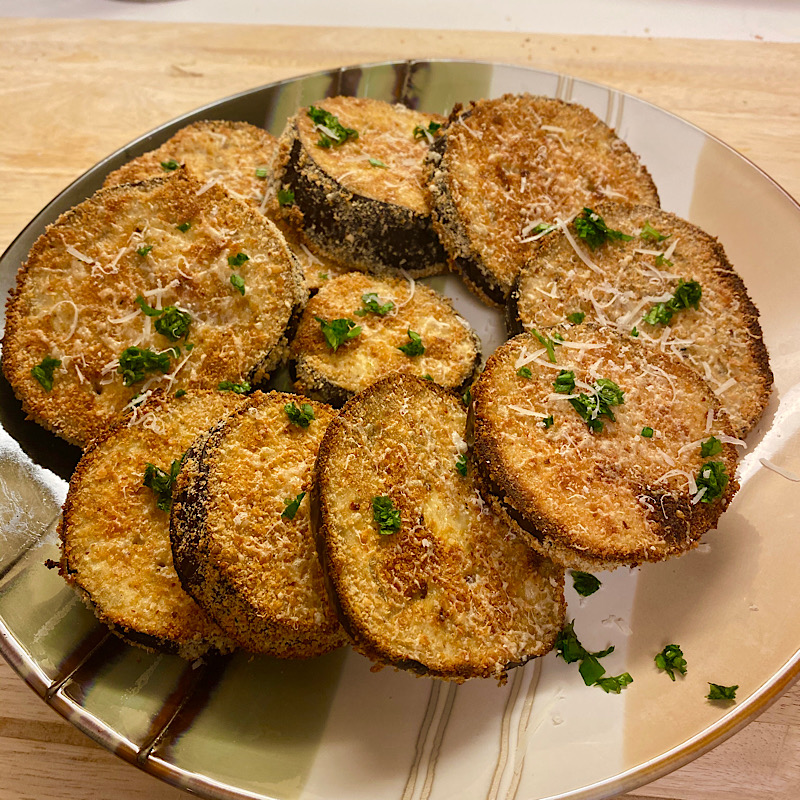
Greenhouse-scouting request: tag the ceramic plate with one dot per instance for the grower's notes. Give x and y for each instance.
(330, 729)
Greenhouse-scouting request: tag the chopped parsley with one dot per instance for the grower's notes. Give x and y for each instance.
(426, 133)
(184, 226)
(323, 276)
(717, 692)
(548, 344)
(650, 234)
(576, 318)
(376, 162)
(338, 331)
(647, 432)
(592, 407)
(634, 331)
(414, 347)
(386, 515)
(144, 250)
(180, 393)
(292, 506)
(687, 295)
(372, 303)
(542, 227)
(713, 477)
(584, 583)
(43, 371)
(671, 660)
(564, 382)
(170, 166)
(236, 388)
(331, 131)
(237, 281)
(237, 260)
(591, 227)
(262, 172)
(173, 323)
(285, 197)
(147, 309)
(525, 372)
(136, 362)
(711, 447)
(548, 422)
(570, 649)
(301, 416)
(161, 482)
(461, 464)
(661, 260)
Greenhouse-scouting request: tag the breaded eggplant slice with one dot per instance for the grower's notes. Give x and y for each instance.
(713, 327)
(115, 530)
(604, 452)
(353, 183)
(425, 576)
(241, 539)
(143, 286)
(504, 169)
(387, 314)
(236, 155)
(239, 157)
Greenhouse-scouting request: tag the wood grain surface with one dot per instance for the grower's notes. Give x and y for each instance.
(73, 91)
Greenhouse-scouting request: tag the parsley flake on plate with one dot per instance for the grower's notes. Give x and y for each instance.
(160, 482)
(592, 407)
(338, 331)
(717, 692)
(713, 477)
(237, 260)
(584, 583)
(671, 660)
(571, 650)
(710, 447)
(647, 432)
(426, 133)
(285, 197)
(576, 318)
(461, 464)
(292, 506)
(237, 281)
(173, 323)
(44, 371)
(144, 250)
(136, 362)
(386, 515)
(414, 347)
(376, 162)
(372, 303)
(300, 416)
(170, 166)
(650, 234)
(591, 227)
(236, 388)
(564, 382)
(184, 226)
(331, 131)
(524, 372)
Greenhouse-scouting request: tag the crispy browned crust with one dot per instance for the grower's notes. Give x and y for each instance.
(272, 601)
(115, 540)
(228, 152)
(236, 337)
(452, 349)
(369, 227)
(597, 500)
(494, 171)
(720, 340)
(454, 593)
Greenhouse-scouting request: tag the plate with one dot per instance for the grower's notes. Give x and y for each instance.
(330, 728)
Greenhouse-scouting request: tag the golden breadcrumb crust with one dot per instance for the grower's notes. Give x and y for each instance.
(598, 500)
(362, 203)
(452, 349)
(454, 593)
(114, 538)
(251, 565)
(75, 300)
(721, 339)
(504, 166)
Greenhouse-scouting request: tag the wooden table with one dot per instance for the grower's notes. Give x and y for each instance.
(72, 92)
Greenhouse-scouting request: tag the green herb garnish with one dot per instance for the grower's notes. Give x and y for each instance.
(584, 583)
(338, 331)
(648, 433)
(634, 331)
(413, 347)
(571, 650)
(687, 294)
(592, 407)
(285, 197)
(461, 464)
(376, 162)
(548, 422)
(170, 166)
(331, 131)
(373, 304)
(161, 482)
(323, 276)
(717, 692)
(524, 372)
(180, 393)
(591, 227)
(659, 314)
(136, 362)
(426, 133)
(576, 318)
(564, 382)
(262, 172)
(301, 416)
(386, 515)
(548, 344)
(615, 685)
(713, 477)
(671, 660)
(650, 234)
(237, 260)
(184, 226)
(292, 506)
(146, 308)
(144, 250)
(43, 371)
(237, 281)
(173, 323)
(236, 388)
(466, 398)
(710, 447)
